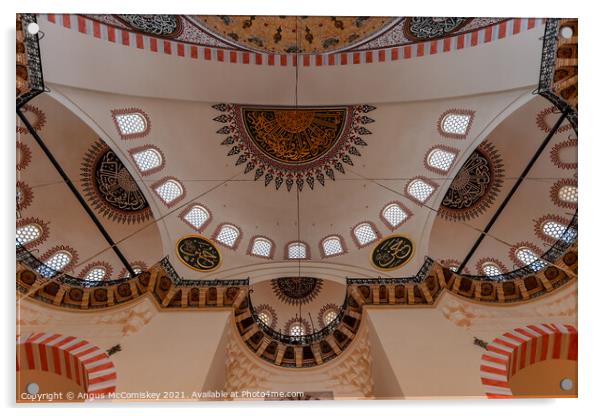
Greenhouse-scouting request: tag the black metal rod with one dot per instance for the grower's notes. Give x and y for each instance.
(75, 192)
(513, 190)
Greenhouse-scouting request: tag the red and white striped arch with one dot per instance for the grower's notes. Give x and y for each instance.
(72, 357)
(521, 347)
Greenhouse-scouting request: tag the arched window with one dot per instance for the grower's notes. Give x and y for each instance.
(55, 262)
(265, 317)
(527, 257)
(440, 160)
(394, 214)
(138, 267)
(420, 190)
(296, 330)
(364, 234)
(332, 246)
(131, 123)
(553, 229)
(455, 123)
(297, 251)
(169, 190)
(490, 269)
(28, 233)
(148, 159)
(262, 247)
(228, 235)
(330, 316)
(568, 193)
(96, 274)
(197, 216)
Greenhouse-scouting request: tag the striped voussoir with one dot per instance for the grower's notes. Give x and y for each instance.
(521, 347)
(72, 357)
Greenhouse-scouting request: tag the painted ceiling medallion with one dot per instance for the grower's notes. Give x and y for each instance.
(475, 186)
(296, 290)
(198, 253)
(295, 34)
(392, 253)
(110, 187)
(294, 145)
(164, 25)
(427, 28)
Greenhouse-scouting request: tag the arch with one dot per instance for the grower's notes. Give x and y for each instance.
(90, 268)
(521, 347)
(38, 235)
(62, 251)
(485, 265)
(75, 358)
(564, 193)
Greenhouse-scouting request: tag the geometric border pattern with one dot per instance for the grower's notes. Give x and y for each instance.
(39, 122)
(26, 195)
(23, 155)
(542, 124)
(521, 347)
(140, 41)
(555, 154)
(79, 360)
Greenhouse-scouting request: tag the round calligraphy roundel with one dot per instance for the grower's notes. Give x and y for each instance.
(392, 253)
(198, 253)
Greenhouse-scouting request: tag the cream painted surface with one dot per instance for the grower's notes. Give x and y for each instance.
(431, 350)
(402, 134)
(516, 139)
(82, 61)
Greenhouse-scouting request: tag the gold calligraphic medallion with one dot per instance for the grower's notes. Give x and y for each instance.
(198, 253)
(294, 136)
(392, 253)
